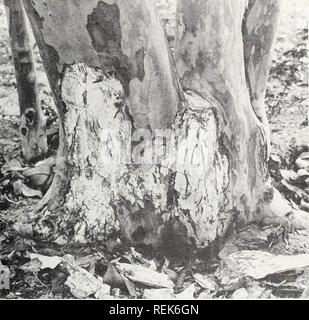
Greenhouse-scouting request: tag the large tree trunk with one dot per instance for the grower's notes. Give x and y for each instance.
(32, 120)
(114, 80)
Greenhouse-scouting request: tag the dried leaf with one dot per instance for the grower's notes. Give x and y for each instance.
(275, 158)
(145, 276)
(259, 264)
(83, 284)
(289, 175)
(298, 191)
(240, 294)
(205, 282)
(40, 174)
(13, 165)
(22, 189)
(303, 161)
(187, 294)
(46, 262)
(112, 277)
(302, 173)
(32, 266)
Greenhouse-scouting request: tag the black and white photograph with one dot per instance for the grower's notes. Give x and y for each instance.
(154, 150)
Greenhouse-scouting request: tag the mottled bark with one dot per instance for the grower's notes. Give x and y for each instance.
(32, 121)
(259, 35)
(210, 61)
(223, 52)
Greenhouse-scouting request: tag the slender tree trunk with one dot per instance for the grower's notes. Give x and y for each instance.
(32, 121)
(259, 35)
(111, 71)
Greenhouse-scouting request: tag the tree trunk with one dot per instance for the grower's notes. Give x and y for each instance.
(210, 61)
(259, 35)
(32, 121)
(140, 159)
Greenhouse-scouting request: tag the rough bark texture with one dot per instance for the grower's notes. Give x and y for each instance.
(111, 69)
(32, 122)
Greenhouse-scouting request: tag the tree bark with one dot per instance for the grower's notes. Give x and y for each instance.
(210, 61)
(259, 35)
(32, 121)
(111, 70)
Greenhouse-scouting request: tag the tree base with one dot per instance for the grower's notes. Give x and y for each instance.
(95, 199)
(100, 195)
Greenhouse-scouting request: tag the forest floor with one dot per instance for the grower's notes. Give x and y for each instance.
(42, 270)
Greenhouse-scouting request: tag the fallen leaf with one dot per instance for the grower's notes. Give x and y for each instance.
(303, 161)
(32, 266)
(46, 262)
(187, 294)
(289, 175)
(240, 294)
(144, 276)
(259, 264)
(40, 174)
(12, 165)
(275, 158)
(172, 275)
(82, 283)
(88, 262)
(114, 279)
(205, 282)
(21, 189)
(298, 191)
(302, 173)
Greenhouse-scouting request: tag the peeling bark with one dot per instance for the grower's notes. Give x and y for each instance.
(32, 122)
(172, 205)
